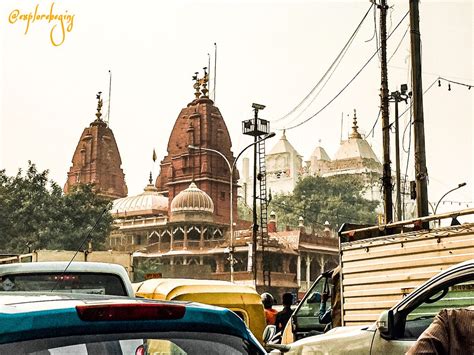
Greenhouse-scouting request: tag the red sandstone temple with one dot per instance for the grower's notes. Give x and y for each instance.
(97, 161)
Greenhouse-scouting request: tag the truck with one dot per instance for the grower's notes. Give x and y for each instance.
(397, 328)
(379, 266)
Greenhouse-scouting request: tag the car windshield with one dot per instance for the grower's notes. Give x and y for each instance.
(181, 343)
(71, 282)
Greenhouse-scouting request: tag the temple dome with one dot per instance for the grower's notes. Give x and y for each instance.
(192, 199)
(149, 202)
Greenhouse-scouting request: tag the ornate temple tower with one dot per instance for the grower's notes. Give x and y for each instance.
(97, 161)
(200, 124)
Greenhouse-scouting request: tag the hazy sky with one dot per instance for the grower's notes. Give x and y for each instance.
(269, 52)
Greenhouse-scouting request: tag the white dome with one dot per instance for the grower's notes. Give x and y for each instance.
(192, 199)
(149, 202)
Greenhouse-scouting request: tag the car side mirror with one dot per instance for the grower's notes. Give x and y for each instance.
(269, 333)
(383, 323)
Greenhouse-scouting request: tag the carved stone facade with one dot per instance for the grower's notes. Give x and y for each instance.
(97, 161)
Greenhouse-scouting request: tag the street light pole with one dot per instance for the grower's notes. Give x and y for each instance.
(231, 184)
(396, 97)
(458, 187)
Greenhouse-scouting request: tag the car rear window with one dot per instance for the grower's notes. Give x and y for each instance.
(181, 343)
(71, 282)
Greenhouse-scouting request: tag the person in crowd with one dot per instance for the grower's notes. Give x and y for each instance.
(270, 312)
(284, 315)
(451, 332)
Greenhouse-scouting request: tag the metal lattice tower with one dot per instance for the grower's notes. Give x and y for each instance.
(257, 128)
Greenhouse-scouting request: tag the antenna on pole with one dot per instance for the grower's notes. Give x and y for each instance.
(110, 91)
(210, 70)
(342, 124)
(215, 71)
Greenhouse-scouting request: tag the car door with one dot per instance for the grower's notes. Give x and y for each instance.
(409, 319)
(305, 319)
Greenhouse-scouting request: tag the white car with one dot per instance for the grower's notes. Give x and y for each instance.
(58, 276)
(398, 328)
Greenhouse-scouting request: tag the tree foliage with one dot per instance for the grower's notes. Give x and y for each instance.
(337, 199)
(35, 214)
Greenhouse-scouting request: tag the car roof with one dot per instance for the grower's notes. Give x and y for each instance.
(60, 266)
(73, 267)
(26, 316)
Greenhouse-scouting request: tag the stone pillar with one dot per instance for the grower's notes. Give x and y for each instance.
(298, 270)
(219, 264)
(185, 261)
(250, 259)
(308, 271)
(171, 239)
(201, 260)
(321, 263)
(201, 238)
(185, 238)
(172, 260)
(286, 264)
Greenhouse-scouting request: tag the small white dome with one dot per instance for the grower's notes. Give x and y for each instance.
(192, 199)
(149, 202)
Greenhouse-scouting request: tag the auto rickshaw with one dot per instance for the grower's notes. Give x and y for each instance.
(241, 299)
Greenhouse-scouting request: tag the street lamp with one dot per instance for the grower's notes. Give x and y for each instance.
(231, 183)
(396, 97)
(458, 187)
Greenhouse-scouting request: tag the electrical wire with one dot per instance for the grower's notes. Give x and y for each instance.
(344, 49)
(350, 81)
(469, 86)
(319, 91)
(399, 43)
(375, 123)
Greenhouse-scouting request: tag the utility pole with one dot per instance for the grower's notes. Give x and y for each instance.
(421, 173)
(387, 172)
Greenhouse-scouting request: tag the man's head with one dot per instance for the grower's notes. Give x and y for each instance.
(267, 300)
(287, 299)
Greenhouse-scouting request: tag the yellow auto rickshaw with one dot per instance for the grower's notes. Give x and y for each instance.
(241, 299)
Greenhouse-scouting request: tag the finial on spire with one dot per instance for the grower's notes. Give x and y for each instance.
(283, 136)
(204, 81)
(200, 84)
(150, 179)
(99, 105)
(355, 133)
(196, 85)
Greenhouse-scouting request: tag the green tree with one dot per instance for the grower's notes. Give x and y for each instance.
(337, 199)
(34, 213)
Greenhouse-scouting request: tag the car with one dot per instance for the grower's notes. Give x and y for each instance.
(398, 328)
(59, 276)
(59, 323)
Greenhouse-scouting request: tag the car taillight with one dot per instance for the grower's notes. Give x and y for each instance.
(130, 311)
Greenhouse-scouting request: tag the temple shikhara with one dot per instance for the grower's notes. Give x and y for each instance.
(179, 226)
(97, 161)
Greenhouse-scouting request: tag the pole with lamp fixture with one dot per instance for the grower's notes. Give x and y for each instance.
(231, 183)
(397, 96)
(457, 187)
